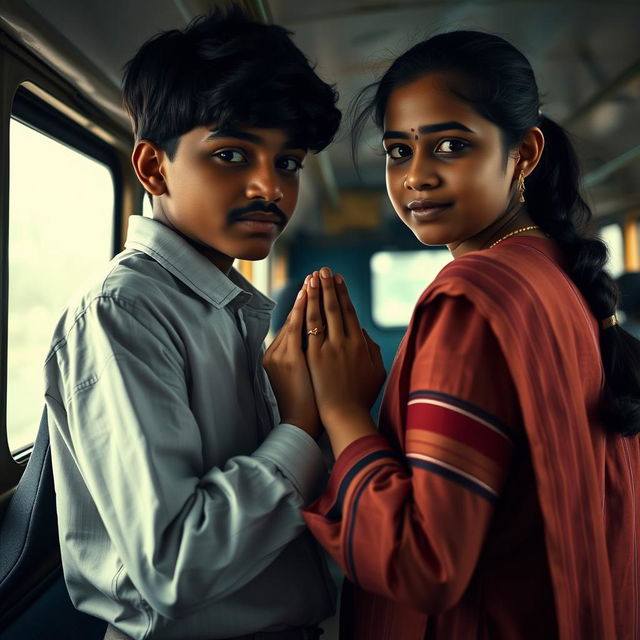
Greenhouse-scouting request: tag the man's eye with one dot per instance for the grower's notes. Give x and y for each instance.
(451, 146)
(229, 155)
(399, 151)
(290, 164)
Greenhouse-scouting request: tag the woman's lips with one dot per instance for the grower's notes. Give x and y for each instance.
(425, 211)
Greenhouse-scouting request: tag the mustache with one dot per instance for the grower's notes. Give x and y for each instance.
(271, 207)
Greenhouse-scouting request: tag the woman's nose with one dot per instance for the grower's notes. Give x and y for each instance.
(421, 177)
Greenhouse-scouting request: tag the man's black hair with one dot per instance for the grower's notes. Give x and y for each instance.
(226, 69)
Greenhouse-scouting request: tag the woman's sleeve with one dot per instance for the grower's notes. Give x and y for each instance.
(410, 525)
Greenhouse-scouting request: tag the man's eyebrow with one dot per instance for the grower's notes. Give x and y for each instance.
(234, 133)
(251, 137)
(429, 128)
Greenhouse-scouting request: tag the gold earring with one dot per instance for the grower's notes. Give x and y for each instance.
(521, 186)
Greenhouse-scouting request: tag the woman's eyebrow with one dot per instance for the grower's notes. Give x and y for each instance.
(429, 128)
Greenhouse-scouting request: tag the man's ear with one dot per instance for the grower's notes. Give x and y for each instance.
(529, 151)
(147, 160)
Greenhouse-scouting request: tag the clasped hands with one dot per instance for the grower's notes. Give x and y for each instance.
(335, 381)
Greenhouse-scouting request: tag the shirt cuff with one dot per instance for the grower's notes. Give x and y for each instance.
(297, 456)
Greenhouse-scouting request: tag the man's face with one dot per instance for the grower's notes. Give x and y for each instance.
(231, 192)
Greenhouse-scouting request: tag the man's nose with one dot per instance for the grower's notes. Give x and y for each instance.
(264, 183)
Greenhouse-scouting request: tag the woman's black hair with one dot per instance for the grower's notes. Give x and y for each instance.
(226, 69)
(499, 83)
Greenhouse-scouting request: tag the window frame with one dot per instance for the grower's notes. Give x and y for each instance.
(60, 112)
(37, 114)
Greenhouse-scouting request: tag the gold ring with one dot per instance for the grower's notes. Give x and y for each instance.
(314, 332)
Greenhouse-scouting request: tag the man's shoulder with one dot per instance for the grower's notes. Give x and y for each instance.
(133, 276)
(131, 282)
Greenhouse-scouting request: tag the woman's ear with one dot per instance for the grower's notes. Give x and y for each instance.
(147, 160)
(529, 152)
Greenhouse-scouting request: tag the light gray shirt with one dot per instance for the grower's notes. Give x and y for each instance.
(178, 493)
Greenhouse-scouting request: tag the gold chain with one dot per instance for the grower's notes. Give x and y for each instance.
(513, 233)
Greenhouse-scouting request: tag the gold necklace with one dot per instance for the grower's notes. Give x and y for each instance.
(513, 233)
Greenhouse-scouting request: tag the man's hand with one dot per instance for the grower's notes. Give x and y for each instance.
(286, 367)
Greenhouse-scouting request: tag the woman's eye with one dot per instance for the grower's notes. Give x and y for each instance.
(451, 146)
(290, 164)
(229, 155)
(399, 151)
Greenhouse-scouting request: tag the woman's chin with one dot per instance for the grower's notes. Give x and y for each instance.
(432, 239)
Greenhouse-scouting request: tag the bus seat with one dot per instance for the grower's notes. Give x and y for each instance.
(34, 602)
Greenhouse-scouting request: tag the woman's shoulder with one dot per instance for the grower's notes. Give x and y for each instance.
(519, 278)
(521, 269)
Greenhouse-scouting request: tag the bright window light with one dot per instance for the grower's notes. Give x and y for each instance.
(611, 234)
(397, 280)
(60, 230)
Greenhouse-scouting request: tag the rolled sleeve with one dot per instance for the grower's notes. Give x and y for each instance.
(297, 455)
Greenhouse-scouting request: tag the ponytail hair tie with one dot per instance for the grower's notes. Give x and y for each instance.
(611, 321)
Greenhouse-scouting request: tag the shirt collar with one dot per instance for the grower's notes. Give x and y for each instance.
(177, 256)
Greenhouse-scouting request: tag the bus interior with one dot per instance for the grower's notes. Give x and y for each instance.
(67, 190)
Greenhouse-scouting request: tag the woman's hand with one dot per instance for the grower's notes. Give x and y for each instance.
(287, 369)
(346, 366)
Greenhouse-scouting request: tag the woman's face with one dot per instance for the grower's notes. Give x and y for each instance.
(446, 172)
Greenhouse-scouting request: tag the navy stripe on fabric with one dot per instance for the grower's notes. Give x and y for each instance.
(335, 513)
(351, 565)
(455, 477)
(467, 406)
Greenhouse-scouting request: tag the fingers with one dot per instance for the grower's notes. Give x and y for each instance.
(275, 343)
(314, 314)
(349, 316)
(295, 320)
(330, 304)
(374, 350)
(297, 315)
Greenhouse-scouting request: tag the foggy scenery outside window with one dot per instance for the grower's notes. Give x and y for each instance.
(60, 231)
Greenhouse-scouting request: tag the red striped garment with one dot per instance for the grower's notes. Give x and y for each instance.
(492, 504)
(450, 437)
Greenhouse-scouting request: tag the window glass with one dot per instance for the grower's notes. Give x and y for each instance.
(147, 208)
(61, 206)
(397, 280)
(612, 236)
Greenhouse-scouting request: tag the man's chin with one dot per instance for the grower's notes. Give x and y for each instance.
(259, 251)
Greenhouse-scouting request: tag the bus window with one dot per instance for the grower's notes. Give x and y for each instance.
(147, 209)
(611, 234)
(397, 280)
(61, 205)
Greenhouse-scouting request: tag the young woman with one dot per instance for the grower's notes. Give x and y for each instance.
(497, 498)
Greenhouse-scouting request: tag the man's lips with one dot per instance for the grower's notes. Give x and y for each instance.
(260, 215)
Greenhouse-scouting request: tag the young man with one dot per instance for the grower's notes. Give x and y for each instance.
(178, 487)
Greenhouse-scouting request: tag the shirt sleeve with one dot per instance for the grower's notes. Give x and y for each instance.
(185, 534)
(409, 525)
